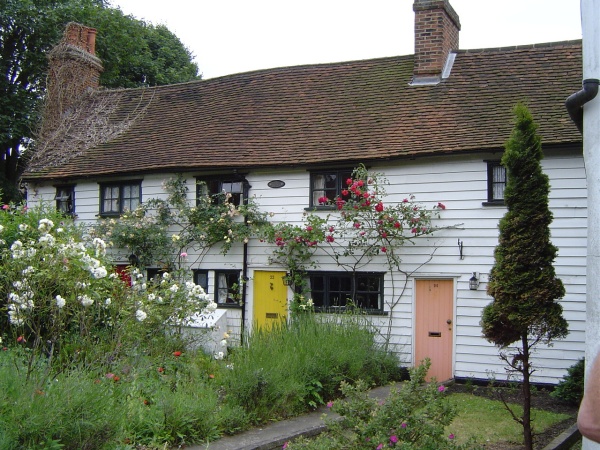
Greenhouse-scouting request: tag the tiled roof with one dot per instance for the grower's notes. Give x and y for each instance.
(356, 111)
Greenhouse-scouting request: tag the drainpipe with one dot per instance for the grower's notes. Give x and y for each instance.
(244, 284)
(244, 268)
(575, 102)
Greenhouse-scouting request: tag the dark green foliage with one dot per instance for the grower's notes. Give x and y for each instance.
(133, 53)
(570, 388)
(523, 282)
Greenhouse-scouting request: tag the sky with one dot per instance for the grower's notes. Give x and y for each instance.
(233, 36)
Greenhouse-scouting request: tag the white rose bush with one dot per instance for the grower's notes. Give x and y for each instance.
(62, 296)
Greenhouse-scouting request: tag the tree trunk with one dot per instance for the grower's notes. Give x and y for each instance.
(526, 390)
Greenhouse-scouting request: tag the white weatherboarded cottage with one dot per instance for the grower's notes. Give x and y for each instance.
(433, 123)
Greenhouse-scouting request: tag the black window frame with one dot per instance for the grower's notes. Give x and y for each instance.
(492, 183)
(154, 272)
(233, 277)
(201, 278)
(121, 185)
(65, 199)
(217, 188)
(333, 191)
(322, 298)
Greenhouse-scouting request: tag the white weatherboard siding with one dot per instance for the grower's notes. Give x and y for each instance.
(460, 182)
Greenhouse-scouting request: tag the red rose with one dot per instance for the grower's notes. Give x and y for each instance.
(177, 354)
(379, 207)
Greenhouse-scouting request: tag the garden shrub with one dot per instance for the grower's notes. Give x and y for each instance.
(413, 416)
(570, 388)
(298, 366)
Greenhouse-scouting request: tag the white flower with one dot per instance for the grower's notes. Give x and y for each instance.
(175, 237)
(60, 230)
(85, 300)
(17, 245)
(174, 288)
(224, 343)
(99, 272)
(1, 230)
(219, 355)
(100, 246)
(28, 270)
(45, 225)
(210, 307)
(23, 226)
(15, 298)
(107, 302)
(140, 315)
(166, 275)
(60, 302)
(47, 239)
(151, 297)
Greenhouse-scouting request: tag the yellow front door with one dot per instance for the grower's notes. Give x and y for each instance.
(433, 326)
(270, 298)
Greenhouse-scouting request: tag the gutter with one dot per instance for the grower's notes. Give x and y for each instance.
(575, 102)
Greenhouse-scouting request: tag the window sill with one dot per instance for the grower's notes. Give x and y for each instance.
(320, 208)
(363, 312)
(228, 305)
(497, 203)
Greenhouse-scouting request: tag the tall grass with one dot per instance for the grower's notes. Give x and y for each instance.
(300, 365)
(156, 398)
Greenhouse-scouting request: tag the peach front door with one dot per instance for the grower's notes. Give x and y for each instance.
(433, 326)
(270, 298)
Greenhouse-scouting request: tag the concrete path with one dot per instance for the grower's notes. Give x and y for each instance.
(274, 435)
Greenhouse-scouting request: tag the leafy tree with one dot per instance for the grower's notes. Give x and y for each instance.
(522, 281)
(133, 53)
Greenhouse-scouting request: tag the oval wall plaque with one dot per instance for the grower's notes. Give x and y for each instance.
(276, 184)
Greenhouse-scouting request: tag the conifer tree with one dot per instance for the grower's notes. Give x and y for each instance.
(523, 284)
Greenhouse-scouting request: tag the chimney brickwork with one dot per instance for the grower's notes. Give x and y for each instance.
(73, 70)
(436, 33)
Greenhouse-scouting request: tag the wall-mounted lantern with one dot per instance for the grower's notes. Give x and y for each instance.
(287, 279)
(133, 259)
(474, 282)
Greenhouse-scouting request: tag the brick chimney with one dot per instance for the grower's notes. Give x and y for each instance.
(74, 69)
(436, 33)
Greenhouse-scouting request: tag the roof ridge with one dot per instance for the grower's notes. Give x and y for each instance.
(571, 42)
